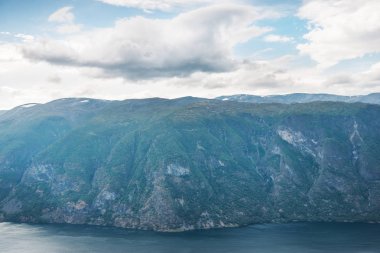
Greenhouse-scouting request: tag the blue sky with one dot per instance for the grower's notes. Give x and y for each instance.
(22, 16)
(117, 49)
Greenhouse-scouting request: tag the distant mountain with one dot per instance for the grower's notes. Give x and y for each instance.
(373, 98)
(189, 163)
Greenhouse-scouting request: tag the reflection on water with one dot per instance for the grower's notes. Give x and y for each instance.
(292, 238)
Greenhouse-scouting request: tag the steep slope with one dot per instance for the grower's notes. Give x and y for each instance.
(28, 129)
(373, 98)
(190, 163)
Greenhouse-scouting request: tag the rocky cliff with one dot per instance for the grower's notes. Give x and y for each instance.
(189, 163)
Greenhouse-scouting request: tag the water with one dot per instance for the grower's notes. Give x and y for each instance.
(292, 238)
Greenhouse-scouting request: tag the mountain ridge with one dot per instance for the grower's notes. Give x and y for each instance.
(372, 98)
(189, 163)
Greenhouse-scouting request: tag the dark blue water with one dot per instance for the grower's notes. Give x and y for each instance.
(292, 238)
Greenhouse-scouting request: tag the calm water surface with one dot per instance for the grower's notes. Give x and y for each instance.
(289, 238)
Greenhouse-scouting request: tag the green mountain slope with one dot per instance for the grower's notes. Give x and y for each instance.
(189, 163)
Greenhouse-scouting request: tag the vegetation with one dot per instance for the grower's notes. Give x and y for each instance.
(189, 163)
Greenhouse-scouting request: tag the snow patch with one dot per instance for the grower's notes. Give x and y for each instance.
(28, 105)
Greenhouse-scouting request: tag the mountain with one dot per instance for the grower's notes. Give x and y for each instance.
(373, 98)
(189, 163)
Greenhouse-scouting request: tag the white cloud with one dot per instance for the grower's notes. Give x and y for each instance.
(368, 79)
(340, 29)
(373, 74)
(24, 37)
(23, 81)
(69, 28)
(62, 15)
(138, 47)
(162, 5)
(190, 54)
(9, 53)
(8, 36)
(65, 19)
(277, 38)
(181, 5)
(249, 75)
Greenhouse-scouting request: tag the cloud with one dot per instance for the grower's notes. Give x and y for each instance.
(252, 75)
(162, 5)
(8, 53)
(365, 79)
(23, 81)
(141, 48)
(340, 30)
(69, 28)
(24, 37)
(277, 38)
(339, 79)
(62, 15)
(65, 20)
(15, 37)
(54, 79)
(373, 74)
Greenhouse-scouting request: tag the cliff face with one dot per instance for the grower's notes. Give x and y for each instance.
(189, 163)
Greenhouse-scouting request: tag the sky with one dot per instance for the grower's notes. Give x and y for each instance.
(120, 49)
